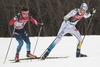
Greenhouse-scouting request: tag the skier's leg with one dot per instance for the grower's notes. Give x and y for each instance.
(76, 33)
(27, 41)
(56, 41)
(28, 46)
(63, 25)
(52, 45)
(61, 33)
(20, 41)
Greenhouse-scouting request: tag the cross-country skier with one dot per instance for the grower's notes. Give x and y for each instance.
(68, 26)
(19, 32)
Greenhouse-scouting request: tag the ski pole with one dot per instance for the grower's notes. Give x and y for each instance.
(8, 47)
(37, 39)
(88, 27)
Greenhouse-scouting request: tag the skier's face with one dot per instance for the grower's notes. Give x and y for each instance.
(25, 14)
(82, 11)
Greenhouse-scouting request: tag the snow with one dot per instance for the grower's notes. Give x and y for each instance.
(66, 47)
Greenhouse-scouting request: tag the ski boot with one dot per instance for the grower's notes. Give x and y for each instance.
(17, 58)
(80, 55)
(30, 55)
(44, 56)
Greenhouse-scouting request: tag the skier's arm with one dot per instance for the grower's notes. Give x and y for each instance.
(90, 13)
(34, 21)
(12, 21)
(70, 14)
(87, 15)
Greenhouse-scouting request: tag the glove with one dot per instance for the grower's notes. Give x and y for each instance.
(94, 10)
(41, 24)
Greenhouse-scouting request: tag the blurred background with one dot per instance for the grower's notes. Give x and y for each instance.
(49, 12)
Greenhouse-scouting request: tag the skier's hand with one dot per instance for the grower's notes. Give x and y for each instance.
(94, 10)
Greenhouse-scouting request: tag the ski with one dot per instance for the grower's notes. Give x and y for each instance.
(39, 58)
(15, 62)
